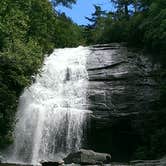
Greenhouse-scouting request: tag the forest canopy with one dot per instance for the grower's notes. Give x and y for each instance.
(140, 23)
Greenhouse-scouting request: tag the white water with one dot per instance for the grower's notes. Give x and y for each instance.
(51, 113)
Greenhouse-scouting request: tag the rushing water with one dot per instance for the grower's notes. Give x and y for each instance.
(52, 111)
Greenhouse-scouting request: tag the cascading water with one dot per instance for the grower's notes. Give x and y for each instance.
(52, 111)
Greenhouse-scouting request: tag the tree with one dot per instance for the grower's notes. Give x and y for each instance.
(95, 29)
(66, 3)
(96, 16)
(122, 6)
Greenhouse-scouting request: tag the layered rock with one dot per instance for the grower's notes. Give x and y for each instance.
(121, 86)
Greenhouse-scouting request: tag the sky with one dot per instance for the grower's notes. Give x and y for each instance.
(84, 8)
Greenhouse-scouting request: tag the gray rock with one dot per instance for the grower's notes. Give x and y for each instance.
(122, 86)
(1, 159)
(87, 157)
(52, 163)
(120, 81)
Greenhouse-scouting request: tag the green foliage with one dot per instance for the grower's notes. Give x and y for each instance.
(67, 33)
(122, 7)
(94, 31)
(143, 26)
(28, 30)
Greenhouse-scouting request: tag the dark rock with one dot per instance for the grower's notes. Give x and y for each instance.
(160, 162)
(120, 81)
(87, 157)
(1, 158)
(122, 86)
(145, 163)
(52, 163)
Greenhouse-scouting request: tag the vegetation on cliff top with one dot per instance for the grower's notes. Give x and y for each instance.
(140, 23)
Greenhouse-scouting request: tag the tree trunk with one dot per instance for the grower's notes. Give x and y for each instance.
(126, 11)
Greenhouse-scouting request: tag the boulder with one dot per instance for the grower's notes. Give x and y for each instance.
(87, 157)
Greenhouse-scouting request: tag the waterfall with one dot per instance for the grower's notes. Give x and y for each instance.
(52, 111)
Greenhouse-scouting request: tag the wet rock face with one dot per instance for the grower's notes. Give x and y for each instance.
(121, 86)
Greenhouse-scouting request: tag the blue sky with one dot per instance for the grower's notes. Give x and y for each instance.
(84, 8)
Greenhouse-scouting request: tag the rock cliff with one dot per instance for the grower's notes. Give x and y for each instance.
(121, 87)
